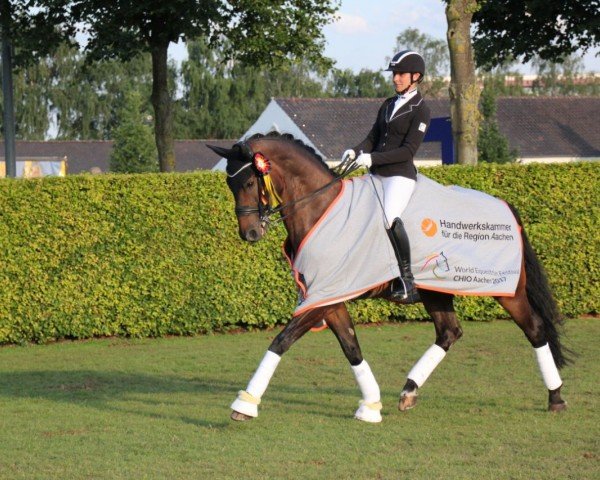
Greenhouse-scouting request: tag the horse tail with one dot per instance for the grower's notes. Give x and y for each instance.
(541, 299)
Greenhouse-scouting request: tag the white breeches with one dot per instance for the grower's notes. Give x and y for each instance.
(396, 195)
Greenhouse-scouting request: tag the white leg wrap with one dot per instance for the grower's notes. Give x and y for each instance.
(247, 401)
(366, 382)
(426, 364)
(246, 404)
(260, 381)
(369, 412)
(548, 368)
(369, 409)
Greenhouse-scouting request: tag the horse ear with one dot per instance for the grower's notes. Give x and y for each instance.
(224, 152)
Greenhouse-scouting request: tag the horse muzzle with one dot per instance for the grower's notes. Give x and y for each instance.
(253, 234)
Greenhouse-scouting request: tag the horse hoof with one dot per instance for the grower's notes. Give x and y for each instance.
(240, 417)
(557, 407)
(407, 402)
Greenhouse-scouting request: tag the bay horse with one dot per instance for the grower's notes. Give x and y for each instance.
(275, 173)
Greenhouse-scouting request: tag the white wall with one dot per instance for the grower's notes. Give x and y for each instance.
(273, 118)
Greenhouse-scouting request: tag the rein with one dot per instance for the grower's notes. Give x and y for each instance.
(267, 207)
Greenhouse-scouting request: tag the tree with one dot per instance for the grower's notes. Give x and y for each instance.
(86, 96)
(366, 83)
(20, 24)
(435, 54)
(464, 90)
(31, 101)
(558, 78)
(492, 146)
(220, 98)
(525, 29)
(37, 28)
(504, 79)
(134, 150)
(259, 32)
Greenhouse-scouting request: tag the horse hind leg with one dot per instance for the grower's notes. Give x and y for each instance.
(441, 309)
(543, 337)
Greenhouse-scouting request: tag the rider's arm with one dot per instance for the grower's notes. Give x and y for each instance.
(370, 142)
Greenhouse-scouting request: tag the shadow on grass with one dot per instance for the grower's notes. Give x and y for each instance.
(112, 391)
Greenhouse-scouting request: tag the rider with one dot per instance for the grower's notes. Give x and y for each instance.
(388, 152)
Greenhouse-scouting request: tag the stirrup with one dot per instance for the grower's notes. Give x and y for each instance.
(404, 291)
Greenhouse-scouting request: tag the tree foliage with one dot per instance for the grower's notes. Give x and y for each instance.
(36, 28)
(366, 84)
(492, 146)
(524, 29)
(61, 96)
(221, 98)
(134, 150)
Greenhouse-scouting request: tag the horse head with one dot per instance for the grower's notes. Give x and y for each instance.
(245, 182)
(275, 173)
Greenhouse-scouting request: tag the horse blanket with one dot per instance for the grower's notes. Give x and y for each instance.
(462, 241)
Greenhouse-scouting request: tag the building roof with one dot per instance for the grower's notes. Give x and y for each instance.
(83, 156)
(535, 126)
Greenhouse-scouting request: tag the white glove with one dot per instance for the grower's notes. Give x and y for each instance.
(349, 154)
(364, 160)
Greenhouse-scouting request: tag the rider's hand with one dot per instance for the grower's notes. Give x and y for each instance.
(349, 154)
(364, 160)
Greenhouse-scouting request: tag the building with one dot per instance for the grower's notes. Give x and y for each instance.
(92, 156)
(541, 129)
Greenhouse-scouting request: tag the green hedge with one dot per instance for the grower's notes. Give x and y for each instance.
(158, 254)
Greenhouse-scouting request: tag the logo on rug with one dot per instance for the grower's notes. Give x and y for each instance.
(429, 227)
(440, 267)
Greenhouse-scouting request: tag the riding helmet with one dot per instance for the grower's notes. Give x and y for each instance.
(407, 61)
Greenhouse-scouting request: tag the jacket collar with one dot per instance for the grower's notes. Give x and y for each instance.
(413, 102)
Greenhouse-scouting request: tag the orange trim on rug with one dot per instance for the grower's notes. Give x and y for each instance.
(466, 294)
(333, 300)
(325, 213)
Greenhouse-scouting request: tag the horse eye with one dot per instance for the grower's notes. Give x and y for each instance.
(249, 183)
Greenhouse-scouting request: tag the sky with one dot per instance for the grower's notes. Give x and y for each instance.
(365, 33)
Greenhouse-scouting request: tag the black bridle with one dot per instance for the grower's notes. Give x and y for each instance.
(264, 209)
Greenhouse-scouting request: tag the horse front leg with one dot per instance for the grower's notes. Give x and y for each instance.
(339, 321)
(440, 307)
(245, 406)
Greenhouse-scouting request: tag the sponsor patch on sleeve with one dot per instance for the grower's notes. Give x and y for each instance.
(422, 127)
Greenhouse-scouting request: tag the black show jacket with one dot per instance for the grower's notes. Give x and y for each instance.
(393, 142)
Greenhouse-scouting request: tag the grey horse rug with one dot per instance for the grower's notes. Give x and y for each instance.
(462, 241)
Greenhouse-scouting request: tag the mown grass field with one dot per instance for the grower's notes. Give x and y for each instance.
(159, 409)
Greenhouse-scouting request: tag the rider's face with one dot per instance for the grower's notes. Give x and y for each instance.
(401, 81)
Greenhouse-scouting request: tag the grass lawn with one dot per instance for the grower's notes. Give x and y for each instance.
(159, 409)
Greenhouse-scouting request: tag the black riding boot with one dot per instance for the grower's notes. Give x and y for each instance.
(403, 289)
